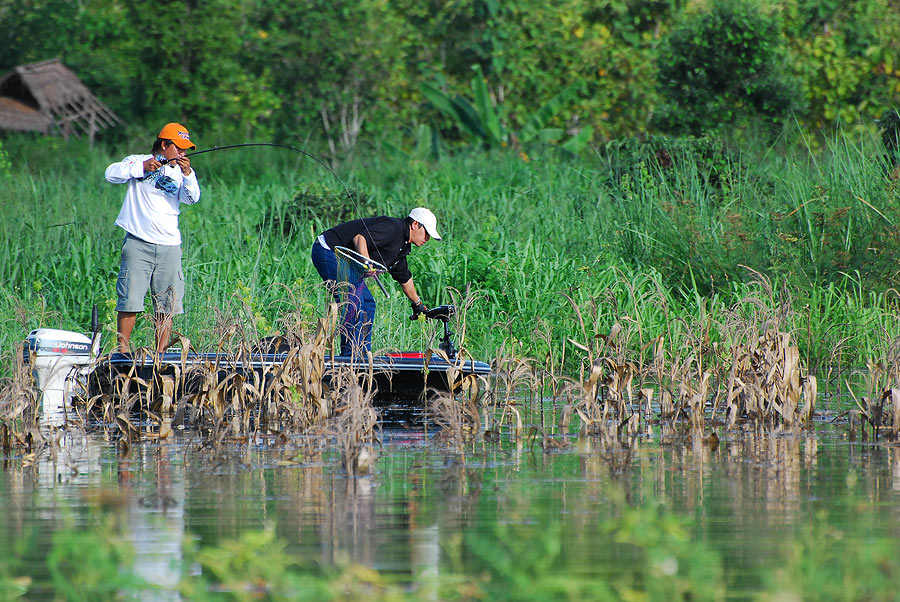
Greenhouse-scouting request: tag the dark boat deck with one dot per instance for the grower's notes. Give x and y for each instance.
(402, 376)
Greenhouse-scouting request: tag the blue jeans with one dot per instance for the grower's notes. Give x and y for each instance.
(356, 333)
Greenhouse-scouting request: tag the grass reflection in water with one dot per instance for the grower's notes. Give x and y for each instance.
(762, 516)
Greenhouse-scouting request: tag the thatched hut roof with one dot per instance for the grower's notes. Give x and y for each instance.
(47, 96)
(15, 115)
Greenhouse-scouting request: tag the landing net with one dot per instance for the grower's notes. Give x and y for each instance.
(352, 271)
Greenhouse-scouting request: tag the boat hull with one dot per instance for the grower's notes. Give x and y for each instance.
(397, 377)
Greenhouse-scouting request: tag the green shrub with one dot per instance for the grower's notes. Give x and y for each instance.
(669, 156)
(723, 68)
(845, 54)
(889, 126)
(324, 205)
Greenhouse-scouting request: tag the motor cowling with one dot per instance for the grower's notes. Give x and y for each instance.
(53, 342)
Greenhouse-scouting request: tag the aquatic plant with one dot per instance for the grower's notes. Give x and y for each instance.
(88, 565)
(354, 420)
(217, 397)
(879, 404)
(19, 407)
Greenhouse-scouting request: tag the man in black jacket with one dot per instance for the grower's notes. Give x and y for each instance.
(386, 240)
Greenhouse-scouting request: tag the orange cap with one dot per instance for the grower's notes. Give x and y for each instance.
(178, 134)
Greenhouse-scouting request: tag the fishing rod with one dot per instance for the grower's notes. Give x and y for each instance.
(302, 152)
(272, 144)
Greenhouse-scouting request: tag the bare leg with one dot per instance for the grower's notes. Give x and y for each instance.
(163, 331)
(124, 325)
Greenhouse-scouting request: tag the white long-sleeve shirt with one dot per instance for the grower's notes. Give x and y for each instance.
(153, 201)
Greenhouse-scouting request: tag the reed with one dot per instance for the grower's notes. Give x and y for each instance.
(651, 236)
(721, 366)
(221, 401)
(879, 401)
(19, 408)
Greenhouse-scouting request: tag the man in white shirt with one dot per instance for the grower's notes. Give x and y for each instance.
(158, 184)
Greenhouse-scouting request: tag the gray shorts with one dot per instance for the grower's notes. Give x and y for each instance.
(154, 267)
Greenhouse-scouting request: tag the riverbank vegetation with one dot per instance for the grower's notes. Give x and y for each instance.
(683, 229)
(731, 280)
(345, 73)
(652, 232)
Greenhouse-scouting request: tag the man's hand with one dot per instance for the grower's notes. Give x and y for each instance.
(154, 163)
(418, 308)
(151, 165)
(184, 163)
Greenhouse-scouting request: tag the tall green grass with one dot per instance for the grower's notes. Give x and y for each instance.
(649, 231)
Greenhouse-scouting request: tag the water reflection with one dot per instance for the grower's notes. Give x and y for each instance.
(743, 489)
(155, 516)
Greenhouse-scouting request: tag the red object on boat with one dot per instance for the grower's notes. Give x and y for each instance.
(408, 355)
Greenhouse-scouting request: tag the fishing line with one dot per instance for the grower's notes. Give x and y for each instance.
(307, 154)
(286, 147)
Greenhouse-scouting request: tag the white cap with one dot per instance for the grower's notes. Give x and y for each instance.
(426, 218)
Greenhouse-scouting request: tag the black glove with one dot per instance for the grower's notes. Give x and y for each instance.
(418, 308)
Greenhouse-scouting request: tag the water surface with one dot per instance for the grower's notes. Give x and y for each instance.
(427, 509)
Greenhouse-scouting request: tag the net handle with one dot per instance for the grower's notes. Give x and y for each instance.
(367, 263)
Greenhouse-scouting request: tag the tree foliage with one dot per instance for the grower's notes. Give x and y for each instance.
(336, 73)
(334, 66)
(488, 124)
(847, 56)
(724, 67)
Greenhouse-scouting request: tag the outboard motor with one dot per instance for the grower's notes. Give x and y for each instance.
(60, 359)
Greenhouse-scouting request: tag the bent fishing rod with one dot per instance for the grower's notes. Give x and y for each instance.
(302, 152)
(272, 144)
